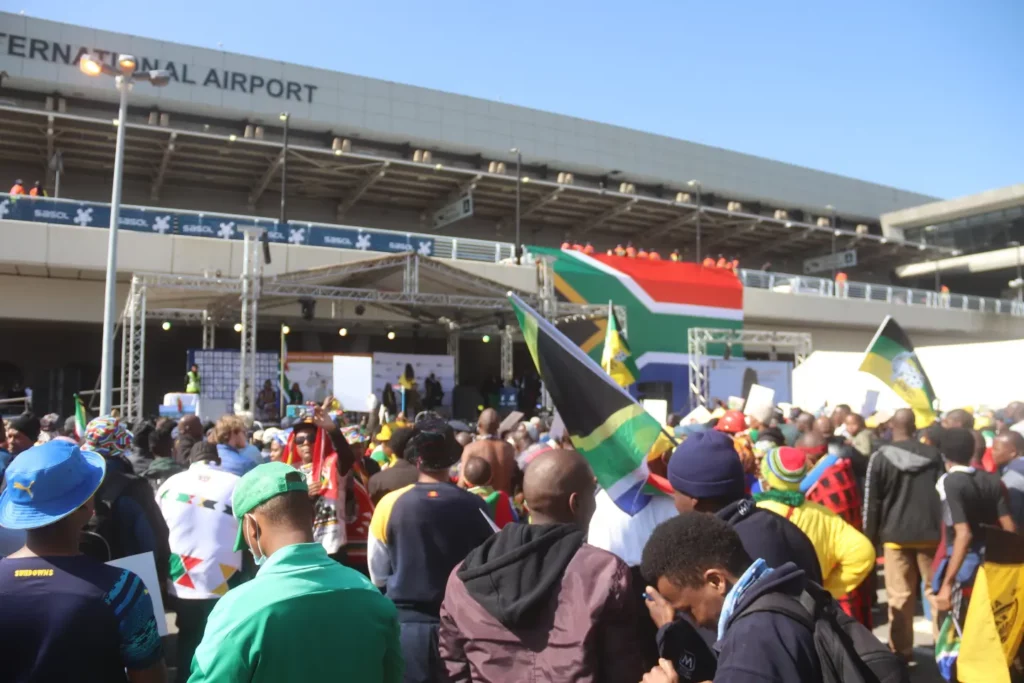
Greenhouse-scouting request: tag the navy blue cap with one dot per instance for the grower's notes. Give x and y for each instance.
(706, 465)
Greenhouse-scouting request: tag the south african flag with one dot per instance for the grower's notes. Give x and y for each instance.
(608, 427)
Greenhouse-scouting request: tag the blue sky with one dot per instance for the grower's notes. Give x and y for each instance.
(918, 94)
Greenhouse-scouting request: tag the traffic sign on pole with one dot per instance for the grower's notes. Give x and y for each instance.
(836, 261)
(455, 211)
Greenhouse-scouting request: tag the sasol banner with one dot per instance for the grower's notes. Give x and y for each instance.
(92, 215)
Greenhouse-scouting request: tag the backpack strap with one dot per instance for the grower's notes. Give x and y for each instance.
(114, 484)
(801, 610)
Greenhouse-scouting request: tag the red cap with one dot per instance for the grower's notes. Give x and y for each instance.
(733, 422)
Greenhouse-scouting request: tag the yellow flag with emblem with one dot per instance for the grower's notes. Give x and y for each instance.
(617, 360)
(994, 623)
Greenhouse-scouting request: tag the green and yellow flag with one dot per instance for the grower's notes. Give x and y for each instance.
(607, 425)
(890, 357)
(617, 360)
(994, 625)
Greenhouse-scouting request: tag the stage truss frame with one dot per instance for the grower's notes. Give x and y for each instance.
(242, 294)
(699, 338)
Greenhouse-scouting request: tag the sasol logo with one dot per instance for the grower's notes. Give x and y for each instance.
(134, 222)
(400, 246)
(337, 241)
(196, 229)
(49, 213)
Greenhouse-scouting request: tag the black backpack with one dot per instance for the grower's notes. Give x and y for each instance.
(100, 539)
(847, 650)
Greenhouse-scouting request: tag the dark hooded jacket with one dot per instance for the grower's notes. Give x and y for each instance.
(766, 647)
(536, 603)
(900, 502)
(771, 537)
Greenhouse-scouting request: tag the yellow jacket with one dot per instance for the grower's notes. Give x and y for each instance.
(846, 555)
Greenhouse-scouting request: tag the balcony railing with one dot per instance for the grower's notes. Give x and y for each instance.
(863, 291)
(229, 227)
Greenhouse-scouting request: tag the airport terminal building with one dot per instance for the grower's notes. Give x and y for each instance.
(358, 167)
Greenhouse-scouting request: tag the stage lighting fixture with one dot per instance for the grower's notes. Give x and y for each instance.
(360, 309)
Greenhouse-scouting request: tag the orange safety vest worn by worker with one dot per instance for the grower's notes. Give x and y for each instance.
(619, 251)
(566, 246)
(734, 265)
(654, 256)
(36, 192)
(708, 262)
(840, 277)
(577, 247)
(631, 251)
(588, 248)
(721, 263)
(17, 189)
(944, 289)
(642, 253)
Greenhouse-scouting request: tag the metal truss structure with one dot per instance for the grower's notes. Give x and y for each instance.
(699, 338)
(252, 282)
(226, 299)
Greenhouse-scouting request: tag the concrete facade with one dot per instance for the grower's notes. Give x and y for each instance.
(41, 56)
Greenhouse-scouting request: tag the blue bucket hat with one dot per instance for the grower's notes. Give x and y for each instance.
(47, 483)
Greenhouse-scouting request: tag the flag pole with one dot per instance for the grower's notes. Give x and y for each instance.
(280, 368)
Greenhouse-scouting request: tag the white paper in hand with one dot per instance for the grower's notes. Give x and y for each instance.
(144, 566)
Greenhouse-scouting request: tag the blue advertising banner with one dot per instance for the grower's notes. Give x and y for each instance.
(92, 215)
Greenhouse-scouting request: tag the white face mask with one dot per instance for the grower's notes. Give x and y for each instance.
(261, 558)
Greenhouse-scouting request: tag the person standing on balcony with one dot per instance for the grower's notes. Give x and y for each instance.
(841, 289)
(17, 188)
(37, 190)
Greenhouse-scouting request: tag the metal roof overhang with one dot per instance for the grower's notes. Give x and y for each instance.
(422, 290)
(203, 159)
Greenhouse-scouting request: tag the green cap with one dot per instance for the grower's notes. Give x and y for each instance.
(259, 485)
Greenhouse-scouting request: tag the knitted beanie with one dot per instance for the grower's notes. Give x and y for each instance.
(783, 468)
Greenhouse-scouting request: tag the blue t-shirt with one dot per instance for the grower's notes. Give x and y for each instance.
(73, 618)
(234, 461)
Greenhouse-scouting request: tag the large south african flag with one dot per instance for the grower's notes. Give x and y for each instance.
(663, 300)
(607, 425)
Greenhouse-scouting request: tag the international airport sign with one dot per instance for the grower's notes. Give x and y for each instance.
(60, 53)
(836, 261)
(456, 211)
(214, 226)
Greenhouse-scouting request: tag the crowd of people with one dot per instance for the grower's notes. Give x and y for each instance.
(630, 251)
(422, 552)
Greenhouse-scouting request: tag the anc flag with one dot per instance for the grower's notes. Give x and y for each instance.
(81, 418)
(607, 426)
(617, 360)
(890, 357)
(994, 623)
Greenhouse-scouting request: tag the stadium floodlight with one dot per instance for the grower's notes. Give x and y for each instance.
(343, 332)
(90, 66)
(127, 64)
(124, 76)
(391, 334)
(238, 327)
(285, 329)
(166, 325)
